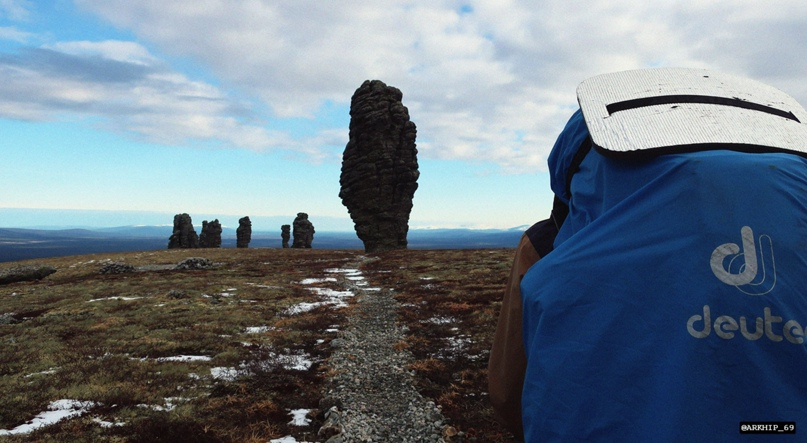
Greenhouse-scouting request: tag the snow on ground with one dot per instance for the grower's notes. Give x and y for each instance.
(258, 329)
(286, 439)
(64, 409)
(170, 404)
(107, 424)
(311, 281)
(298, 417)
(332, 297)
(114, 298)
(182, 358)
(440, 320)
(295, 362)
(57, 411)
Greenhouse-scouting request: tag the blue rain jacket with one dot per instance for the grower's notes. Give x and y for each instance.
(674, 304)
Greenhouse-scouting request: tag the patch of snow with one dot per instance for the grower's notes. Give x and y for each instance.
(226, 374)
(49, 371)
(299, 308)
(347, 271)
(114, 298)
(294, 362)
(440, 320)
(311, 281)
(57, 411)
(298, 417)
(170, 404)
(108, 424)
(185, 358)
(258, 329)
(286, 439)
(332, 297)
(298, 362)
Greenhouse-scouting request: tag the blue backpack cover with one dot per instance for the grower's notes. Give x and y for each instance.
(674, 304)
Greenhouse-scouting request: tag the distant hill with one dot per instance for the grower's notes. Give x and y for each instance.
(23, 244)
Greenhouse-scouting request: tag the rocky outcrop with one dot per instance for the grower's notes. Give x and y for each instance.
(379, 167)
(285, 234)
(243, 234)
(184, 235)
(303, 231)
(194, 263)
(24, 273)
(116, 268)
(211, 234)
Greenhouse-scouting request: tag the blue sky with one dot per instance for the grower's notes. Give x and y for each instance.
(231, 108)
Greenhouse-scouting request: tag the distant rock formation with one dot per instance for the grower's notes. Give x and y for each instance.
(184, 235)
(379, 167)
(211, 234)
(285, 234)
(24, 273)
(303, 231)
(244, 233)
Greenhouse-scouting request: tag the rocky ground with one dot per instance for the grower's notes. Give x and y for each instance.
(372, 391)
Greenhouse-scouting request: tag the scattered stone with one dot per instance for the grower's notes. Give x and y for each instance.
(326, 403)
(176, 293)
(379, 167)
(211, 234)
(116, 268)
(285, 234)
(8, 318)
(194, 263)
(370, 378)
(184, 236)
(244, 233)
(332, 425)
(303, 231)
(24, 273)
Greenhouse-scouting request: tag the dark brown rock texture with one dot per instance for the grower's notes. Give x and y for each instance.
(25, 273)
(184, 236)
(379, 167)
(303, 231)
(285, 234)
(244, 233)
(211, 234)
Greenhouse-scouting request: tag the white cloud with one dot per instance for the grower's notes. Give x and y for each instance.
(109, 49)
(15, 9)
(14, 34)
(485, 80)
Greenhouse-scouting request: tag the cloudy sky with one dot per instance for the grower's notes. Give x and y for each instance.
(240, 107)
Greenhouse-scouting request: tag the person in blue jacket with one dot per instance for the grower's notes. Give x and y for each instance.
(673, 304)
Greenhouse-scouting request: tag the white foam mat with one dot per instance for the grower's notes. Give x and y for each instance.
(688, 109)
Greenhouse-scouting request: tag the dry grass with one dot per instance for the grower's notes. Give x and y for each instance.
(104, 338)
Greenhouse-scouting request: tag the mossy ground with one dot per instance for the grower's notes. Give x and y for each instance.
(110, 339)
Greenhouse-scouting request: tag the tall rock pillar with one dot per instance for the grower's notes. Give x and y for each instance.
(379, 167)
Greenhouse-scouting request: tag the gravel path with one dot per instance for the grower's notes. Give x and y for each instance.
(372, 388)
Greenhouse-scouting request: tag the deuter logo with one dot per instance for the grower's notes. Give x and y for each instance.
(752, 270)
